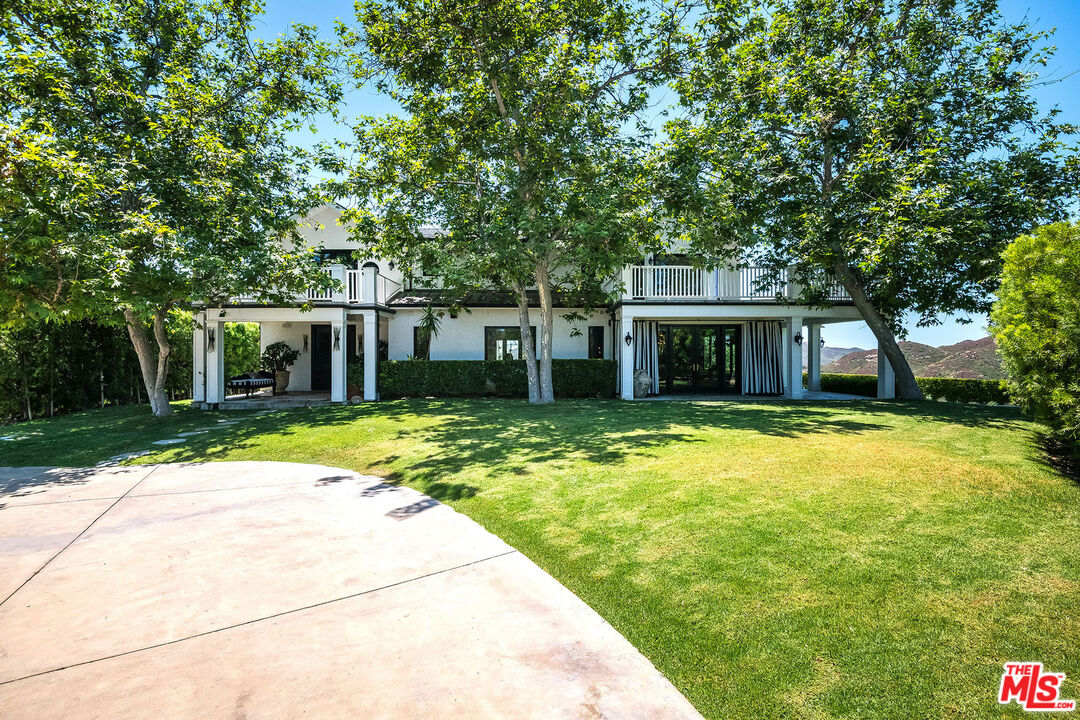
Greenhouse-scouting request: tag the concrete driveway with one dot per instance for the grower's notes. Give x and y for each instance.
(277, 590)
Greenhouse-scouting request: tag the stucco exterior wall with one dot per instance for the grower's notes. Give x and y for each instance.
(462, 338)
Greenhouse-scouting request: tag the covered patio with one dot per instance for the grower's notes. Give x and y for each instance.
(328, 339)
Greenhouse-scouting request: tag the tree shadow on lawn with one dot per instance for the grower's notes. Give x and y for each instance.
(459, 434)
(511, 434)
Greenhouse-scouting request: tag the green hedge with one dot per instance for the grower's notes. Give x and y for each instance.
(499, 378)
(949, 389)
(965, 390)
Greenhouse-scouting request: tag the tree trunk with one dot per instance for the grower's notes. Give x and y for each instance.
(528, 352)
(906, 387)
(543, 286)
(153, 365)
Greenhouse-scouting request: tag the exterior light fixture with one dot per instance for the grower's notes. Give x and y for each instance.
(221, 314)
(798, 338)
(305, 342)
(821, 343)
(210, 340)
(628, 339)
(337, 338)
(390, 265)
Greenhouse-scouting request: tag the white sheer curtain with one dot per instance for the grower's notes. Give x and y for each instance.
(763, 350)
(646, 354)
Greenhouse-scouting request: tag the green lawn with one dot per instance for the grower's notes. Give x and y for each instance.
(774, 560)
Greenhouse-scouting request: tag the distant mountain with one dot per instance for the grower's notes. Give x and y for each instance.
(828, 354)
(967, 359)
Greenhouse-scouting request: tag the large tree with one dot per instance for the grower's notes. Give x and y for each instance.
(146, 162)
(893, 146)
(519, 139)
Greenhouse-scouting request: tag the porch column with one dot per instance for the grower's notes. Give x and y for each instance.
(886, 378)
(793, 388)
(339, 348)
(198, 359)
(813, 358)
(626, 358)
(371, 353)
(215, 361)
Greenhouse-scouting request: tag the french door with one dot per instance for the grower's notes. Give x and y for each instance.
(700, 358)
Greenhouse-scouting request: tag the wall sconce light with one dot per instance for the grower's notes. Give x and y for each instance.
(798, 338)
(305, 342)
(337, 338)
(221, 314)
(821, 343)
(390, 265)
(628, 339)
(210, 340)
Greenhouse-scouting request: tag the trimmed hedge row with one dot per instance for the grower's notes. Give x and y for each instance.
(964, 390)
(992, 392)
(498, 378)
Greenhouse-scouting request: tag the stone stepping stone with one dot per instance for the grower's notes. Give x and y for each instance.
(168, 441)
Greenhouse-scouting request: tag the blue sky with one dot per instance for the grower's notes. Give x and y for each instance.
(1044, 14)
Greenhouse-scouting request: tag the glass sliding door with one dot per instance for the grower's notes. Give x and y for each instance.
(699, 358)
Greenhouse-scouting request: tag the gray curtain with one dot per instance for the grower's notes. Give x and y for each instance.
(646, 354)
(763, 350)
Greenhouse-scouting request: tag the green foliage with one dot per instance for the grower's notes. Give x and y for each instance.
(279, 356)
(427, 329)
(501, 378)
(241, 348)
(51, 368)
(963, 390)
(147, 163)
(518, 139)
(354, 374)
(893, 146)
(1036, 322)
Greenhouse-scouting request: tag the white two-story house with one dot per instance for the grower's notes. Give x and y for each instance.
(693, 330)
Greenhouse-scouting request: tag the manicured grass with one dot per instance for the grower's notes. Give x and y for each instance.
(774, 560)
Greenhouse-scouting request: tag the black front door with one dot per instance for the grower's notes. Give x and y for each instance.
(699, 358)
(320, 358)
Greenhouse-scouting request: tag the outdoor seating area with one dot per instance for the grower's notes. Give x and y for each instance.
(251, 382)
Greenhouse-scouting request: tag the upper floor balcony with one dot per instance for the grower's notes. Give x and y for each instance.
(354, 287)
(688, 283)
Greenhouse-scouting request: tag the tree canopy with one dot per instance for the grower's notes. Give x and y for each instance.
(520, 141)
(146, 160)
(891, 145)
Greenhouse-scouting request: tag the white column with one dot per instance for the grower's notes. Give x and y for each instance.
(198, 359)
(339, 344)
(371, 353)
(886, 378)
(793, 360)
(369, 281)
(626, 358)
(813, 359)
(215, 361)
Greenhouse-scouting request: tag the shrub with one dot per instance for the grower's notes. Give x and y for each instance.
(279, 356)
(951, 389)
(849, 384)
(1036, 322)
(965, 390)
(499, 378)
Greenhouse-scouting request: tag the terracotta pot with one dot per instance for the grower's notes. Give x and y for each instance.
(281, 382)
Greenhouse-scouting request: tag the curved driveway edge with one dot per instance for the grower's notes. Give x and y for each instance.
(278, 590)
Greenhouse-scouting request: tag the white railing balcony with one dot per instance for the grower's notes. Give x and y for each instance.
(358, 287)
(685, 282)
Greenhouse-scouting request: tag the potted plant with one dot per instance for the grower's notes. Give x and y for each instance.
(354, 380)
(278, 358)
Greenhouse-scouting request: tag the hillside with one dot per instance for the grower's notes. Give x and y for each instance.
(967, 359)
(828, 354)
